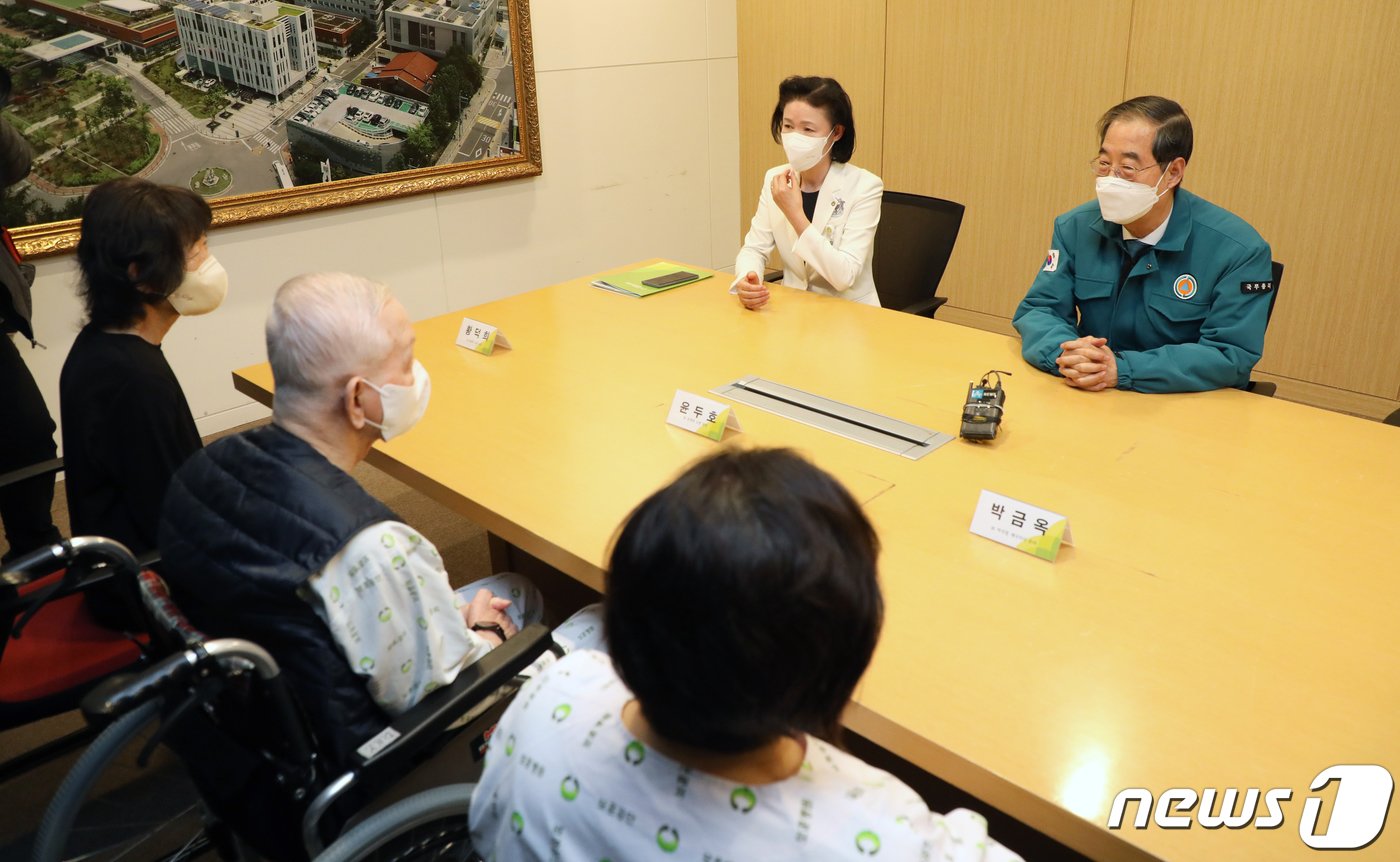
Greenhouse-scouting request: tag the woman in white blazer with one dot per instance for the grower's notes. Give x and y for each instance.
(818, 211)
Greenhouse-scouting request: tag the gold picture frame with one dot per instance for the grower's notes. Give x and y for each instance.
(59, 237)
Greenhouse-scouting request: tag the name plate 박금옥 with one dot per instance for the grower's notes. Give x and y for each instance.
(1018, 525)
(481, 337)
(703, 416)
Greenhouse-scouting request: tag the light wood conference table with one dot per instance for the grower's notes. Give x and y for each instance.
(1226, 618)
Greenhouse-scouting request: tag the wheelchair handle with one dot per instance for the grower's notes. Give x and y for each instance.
(21, 571)
(44, 560)
(264, 665)
(121, 694)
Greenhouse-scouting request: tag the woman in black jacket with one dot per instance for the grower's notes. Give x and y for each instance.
(127, 427)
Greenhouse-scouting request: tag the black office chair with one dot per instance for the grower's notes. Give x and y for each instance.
(912, 246)
(1392, 419)
(1260, 387)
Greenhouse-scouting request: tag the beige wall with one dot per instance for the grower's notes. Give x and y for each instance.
(994, 104)
(612, 192)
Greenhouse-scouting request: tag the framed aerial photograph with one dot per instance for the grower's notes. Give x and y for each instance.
(265, 107)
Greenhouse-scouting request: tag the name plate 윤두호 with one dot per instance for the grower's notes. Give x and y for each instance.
(1018, 525)
(481, 337)
(703, 416)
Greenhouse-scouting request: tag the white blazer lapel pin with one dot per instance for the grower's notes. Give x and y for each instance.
(838, 206)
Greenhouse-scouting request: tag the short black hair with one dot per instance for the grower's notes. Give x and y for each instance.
(742, 603)
(1173, 140)
(825, 94)
(133, 221)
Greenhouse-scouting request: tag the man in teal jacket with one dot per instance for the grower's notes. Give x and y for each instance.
(1149, 287)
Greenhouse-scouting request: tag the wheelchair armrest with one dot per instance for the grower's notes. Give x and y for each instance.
(43, 468)
(386, 755)
(431, 717)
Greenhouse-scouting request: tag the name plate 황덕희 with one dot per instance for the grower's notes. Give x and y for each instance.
(480, 337)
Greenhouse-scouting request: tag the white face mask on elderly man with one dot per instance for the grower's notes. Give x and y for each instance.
(202, 290)
(1124, 201)
(403, 405)
(804, 151)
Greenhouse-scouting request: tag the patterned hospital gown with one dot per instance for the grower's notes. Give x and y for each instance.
(565, 780)
(386, 599)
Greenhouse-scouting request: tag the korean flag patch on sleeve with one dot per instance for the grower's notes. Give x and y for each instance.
(1052, 260)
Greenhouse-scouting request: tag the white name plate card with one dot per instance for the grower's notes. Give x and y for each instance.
(481, 337)
(703, 416)
(1018, 525)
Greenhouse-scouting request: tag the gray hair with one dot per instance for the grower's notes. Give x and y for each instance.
(323, 329)
(1174, 139)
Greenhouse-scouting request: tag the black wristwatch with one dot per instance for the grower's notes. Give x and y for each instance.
(493, 628)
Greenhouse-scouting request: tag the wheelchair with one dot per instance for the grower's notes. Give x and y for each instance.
(225, 702)
(52, 650)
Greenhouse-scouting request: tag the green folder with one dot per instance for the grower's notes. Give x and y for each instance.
(630, 283)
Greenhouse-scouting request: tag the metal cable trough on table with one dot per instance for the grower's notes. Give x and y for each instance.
(853, 423)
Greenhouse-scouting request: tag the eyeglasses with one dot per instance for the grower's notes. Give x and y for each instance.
(1103, 167)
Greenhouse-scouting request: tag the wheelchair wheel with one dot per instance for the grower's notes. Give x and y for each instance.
(108, 809)
(428, 825)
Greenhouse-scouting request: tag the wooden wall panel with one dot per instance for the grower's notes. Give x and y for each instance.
(777, 38)
(1296, 106)
(993, 105)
